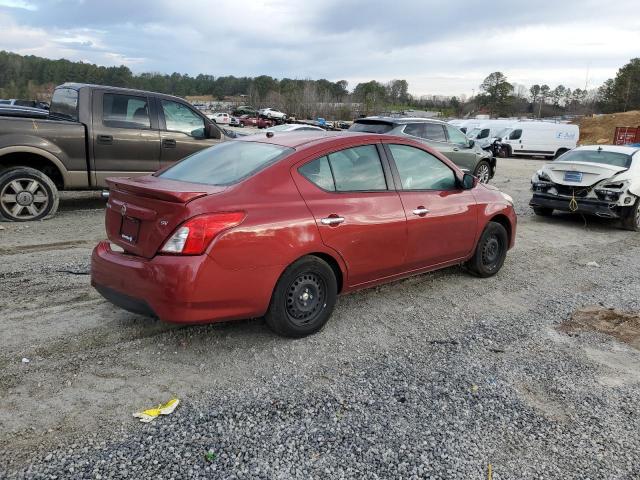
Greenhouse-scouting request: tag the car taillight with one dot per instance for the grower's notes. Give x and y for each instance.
(196, 234)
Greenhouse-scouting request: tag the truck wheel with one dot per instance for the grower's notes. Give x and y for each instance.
(491, 251)
(631, 221)
(483, 171)
(303, 298)
(27, 194)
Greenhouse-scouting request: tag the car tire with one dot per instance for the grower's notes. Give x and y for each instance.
(543, 211)
(303, 298)
(27, 194)
(491, 251)
(631, 221)
(483, 171)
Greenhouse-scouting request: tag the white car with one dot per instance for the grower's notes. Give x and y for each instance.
(598, 180)
(220, 118)
(293, 127)
(272, 113)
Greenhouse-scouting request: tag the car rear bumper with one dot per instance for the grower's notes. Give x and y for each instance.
(584, 205)
(181, 289)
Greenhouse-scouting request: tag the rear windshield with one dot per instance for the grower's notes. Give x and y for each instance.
(226, 163)
(615, 159)
(64, 104)
(371, 127)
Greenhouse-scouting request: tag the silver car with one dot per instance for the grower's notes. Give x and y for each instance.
(441, 136)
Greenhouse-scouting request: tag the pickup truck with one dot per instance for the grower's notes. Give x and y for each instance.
(90, 133)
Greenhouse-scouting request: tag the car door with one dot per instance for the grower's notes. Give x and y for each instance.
(461, 153)
(358, 213)
(124, 135)
(182, 131)
(441, 216)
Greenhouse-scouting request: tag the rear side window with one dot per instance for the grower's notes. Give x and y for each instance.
(64, 104)
(355, 169)
(434, 131)
(226, 163)
(420, 170)
(371, 127)
(319, 172)
(516, 134)
(125, 111)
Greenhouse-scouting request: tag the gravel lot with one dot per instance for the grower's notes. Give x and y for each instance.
(436, 376)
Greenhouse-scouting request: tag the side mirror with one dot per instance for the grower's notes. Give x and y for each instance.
(213, 131)
(468, 181)
(471, 143)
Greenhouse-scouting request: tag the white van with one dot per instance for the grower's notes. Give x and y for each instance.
(466, 125)
(485, 133)
(540, 138)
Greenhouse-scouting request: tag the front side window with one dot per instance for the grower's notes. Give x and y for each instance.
(516, 134)
(456, 136)
(180, 118)
(435, 131)
(226, 163)
(125, 111)
(319, 173)
(484, 133)
(420, 170)
(357, 169)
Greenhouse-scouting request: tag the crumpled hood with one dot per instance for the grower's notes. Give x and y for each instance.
(591, 173)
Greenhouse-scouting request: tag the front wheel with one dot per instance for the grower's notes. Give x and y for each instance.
(27, 194)
(631, 221)
(303, 298)
(491, 251)
(483, 171)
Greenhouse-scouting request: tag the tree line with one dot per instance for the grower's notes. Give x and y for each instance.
(32, 77)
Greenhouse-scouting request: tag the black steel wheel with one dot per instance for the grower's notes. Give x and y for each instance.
(491, 251)
(303, 298)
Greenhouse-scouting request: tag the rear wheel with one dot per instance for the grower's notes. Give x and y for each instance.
(303, 299)
(483, 171)
(543, 211)
(27, 194)
(631, 221)
(491, 251)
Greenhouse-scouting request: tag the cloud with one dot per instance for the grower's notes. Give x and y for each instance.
(439, 47)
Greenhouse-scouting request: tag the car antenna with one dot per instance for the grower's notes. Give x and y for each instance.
(269, 134)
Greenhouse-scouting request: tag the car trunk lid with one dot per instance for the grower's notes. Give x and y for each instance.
(581, 174)
(142, 212)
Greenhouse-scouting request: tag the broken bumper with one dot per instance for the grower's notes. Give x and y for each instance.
(589, 206)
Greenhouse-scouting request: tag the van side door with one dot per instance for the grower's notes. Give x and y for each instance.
(125, 139)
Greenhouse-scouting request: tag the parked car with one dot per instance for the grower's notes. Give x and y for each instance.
(278, 226)
(294, 127)
(245, 110)
(445, 138)
(15, 102)
(220, 118)
(258, 122)
(272, 113)
(597, 180)
(93, 132)
(536, 138)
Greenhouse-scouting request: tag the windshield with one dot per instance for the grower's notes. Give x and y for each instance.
(371, 127)
(64, 104)
(503, 133)
(226, 163)
(615, 159)
(473, 133)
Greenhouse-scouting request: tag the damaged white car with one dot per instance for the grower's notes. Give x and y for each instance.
(598, 180)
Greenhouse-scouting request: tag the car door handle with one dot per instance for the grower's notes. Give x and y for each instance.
(421, 211)
(332, 220)
(105, 139)
(168, 143)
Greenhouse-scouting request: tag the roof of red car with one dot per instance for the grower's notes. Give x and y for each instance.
(298, 139)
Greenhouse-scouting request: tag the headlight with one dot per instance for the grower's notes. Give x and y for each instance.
(542, 175)
(508, 198)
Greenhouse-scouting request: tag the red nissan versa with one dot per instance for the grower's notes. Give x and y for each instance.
(279, 225)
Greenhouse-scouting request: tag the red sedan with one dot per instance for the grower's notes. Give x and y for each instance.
(279, 225)
(259, 122)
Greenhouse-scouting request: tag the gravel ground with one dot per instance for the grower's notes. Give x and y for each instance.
(436, 376)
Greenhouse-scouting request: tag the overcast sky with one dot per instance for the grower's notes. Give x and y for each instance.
(439, 47)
